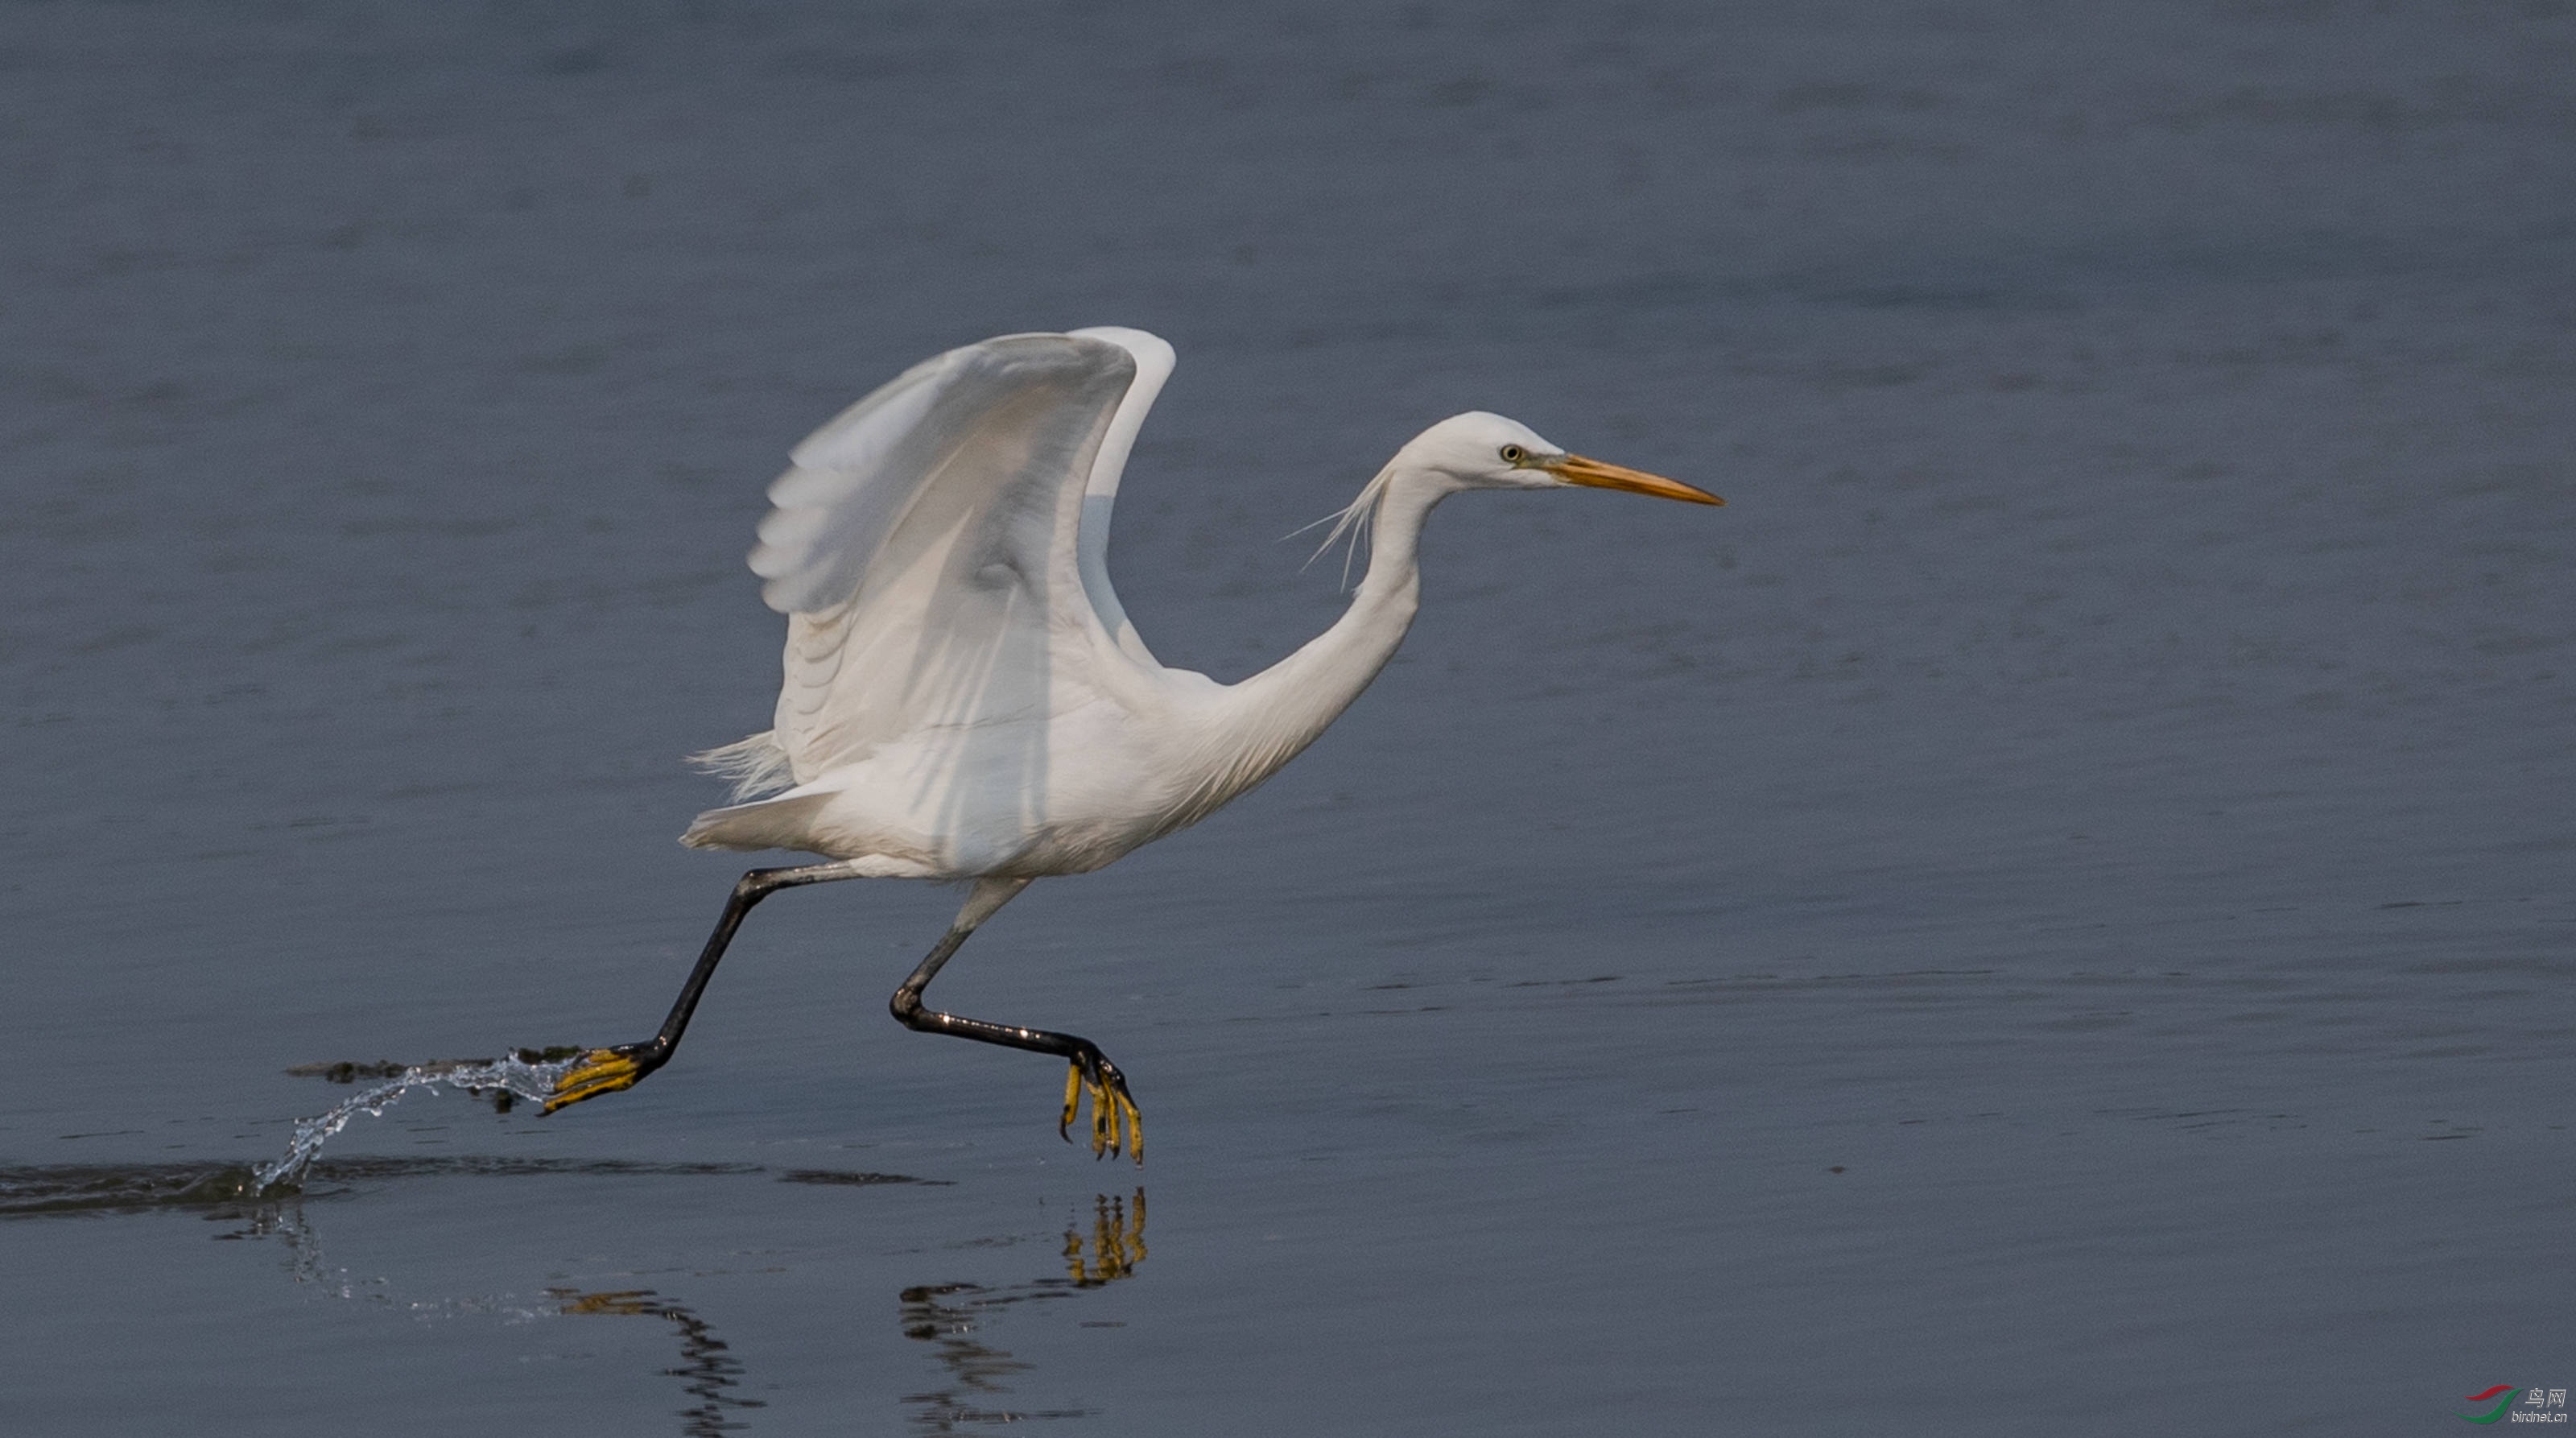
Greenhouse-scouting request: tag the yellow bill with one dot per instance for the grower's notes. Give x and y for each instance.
(1575, 469)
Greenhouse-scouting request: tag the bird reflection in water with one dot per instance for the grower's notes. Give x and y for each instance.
(948, 1314)
(707, 1366)
(710, 1370)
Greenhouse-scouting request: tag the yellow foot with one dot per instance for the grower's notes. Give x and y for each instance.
(600, 1071)
(1116, 1126)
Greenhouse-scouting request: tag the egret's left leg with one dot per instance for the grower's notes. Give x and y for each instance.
(1115, 1123)
(609, 1070)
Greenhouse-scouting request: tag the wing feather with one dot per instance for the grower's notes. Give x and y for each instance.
(1154, 361)
(927, 549)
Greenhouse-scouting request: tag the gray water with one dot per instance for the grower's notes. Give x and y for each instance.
(2050, 913)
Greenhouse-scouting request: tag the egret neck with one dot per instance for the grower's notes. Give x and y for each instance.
(1285, 707)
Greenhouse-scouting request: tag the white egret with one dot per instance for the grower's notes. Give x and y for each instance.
(964, 696)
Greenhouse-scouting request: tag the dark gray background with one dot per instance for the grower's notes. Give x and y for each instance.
(2050, 913)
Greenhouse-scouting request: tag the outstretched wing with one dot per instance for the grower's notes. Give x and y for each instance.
(927, 548)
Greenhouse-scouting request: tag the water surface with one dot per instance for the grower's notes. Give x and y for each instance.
(2050, 912)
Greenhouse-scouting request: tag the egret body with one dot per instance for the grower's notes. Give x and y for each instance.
(964, 697)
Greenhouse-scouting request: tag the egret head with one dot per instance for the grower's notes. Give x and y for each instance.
(1477, 450)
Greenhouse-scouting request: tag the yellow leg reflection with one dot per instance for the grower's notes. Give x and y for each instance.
(949, 1315)
(1117, 1242)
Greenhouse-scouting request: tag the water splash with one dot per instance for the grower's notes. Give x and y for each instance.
(527, 1075)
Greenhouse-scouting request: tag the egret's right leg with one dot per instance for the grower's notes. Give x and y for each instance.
(1115, 1123)
(624, 1066)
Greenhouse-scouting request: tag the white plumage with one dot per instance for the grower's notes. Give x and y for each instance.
(963, 695)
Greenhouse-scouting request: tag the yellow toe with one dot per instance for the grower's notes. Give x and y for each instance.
(600, 1071)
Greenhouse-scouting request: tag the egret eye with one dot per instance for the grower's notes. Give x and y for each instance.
(1514, 454)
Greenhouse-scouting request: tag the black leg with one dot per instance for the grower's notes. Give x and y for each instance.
(622, 1067)
(1112, 1108)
